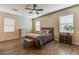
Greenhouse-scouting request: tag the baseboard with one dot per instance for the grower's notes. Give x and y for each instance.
(75, 43)
(9, 39)
(56, 39)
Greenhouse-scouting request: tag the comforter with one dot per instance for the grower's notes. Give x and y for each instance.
(40, 39)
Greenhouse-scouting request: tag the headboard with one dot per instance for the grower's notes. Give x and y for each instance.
(50, 29)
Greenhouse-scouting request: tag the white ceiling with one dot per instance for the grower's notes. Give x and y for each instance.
(48, 8)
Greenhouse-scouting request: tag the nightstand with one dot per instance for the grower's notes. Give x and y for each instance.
(65, 38)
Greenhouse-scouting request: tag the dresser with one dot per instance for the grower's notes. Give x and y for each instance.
(65, 38)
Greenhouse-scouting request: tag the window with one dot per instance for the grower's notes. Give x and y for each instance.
(37, 24)
(66, 23)
(9, 24)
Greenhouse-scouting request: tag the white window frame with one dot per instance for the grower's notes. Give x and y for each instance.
(66, 20)
(9, 24)
(37, 25)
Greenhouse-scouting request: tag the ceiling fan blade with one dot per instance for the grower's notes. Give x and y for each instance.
(37, 12)
(30, 12)
(39, 9)
(34, 10)
(28, 8)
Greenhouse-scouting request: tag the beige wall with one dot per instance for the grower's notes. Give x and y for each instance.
(25, 24)
(9, 35)
(52, 20)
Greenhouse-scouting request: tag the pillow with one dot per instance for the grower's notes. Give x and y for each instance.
(38, 32)
(45, 31)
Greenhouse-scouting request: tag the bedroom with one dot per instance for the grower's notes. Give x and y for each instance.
(11, 38)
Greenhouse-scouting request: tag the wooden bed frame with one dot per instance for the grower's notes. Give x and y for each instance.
(47, 28)
(29, 43)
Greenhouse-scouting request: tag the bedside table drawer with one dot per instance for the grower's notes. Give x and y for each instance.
(67, 39)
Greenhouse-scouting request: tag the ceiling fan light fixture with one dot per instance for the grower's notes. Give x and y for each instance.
(34, 11)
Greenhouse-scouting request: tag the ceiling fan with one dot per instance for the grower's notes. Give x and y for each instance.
(34, 9)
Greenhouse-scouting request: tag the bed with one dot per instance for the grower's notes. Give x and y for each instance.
(41, 38)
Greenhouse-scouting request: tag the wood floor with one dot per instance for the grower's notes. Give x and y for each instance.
(15, 47)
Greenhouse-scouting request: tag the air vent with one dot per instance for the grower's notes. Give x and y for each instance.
(15, 9)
